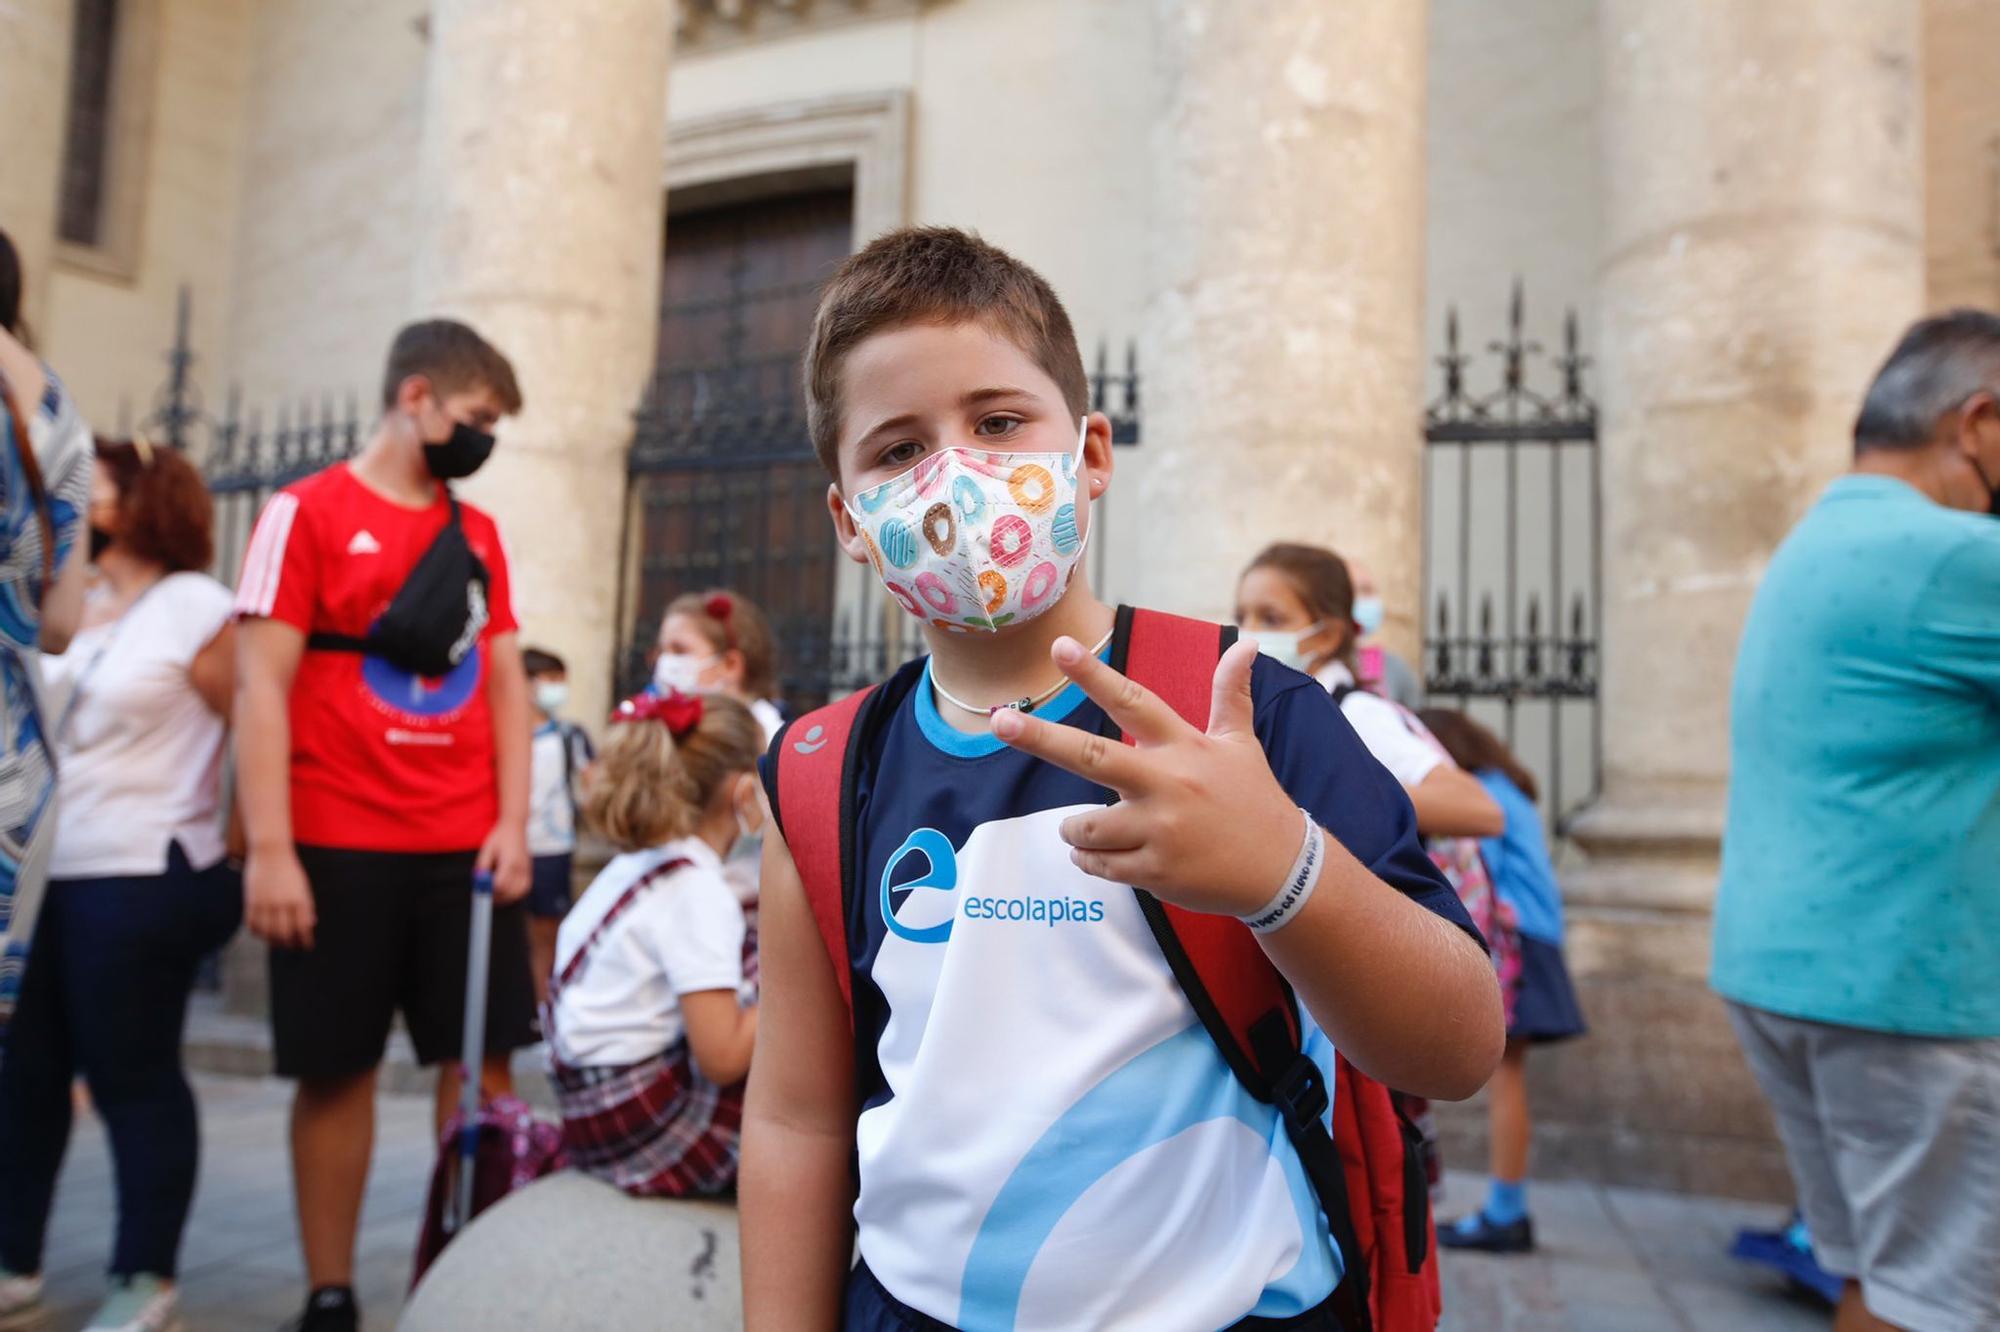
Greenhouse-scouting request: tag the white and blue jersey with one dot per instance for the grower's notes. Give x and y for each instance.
(1048, 1138)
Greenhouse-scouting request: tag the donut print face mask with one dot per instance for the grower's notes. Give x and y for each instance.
(976, 538)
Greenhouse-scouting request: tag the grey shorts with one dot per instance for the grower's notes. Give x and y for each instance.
(1894, 1143)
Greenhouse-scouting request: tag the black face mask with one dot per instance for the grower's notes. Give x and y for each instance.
(100, 541)
(461, 453)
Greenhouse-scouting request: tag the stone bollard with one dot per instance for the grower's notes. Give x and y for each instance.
(570, 1251)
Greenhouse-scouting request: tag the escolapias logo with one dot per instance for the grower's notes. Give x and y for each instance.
(920, 896)
(920, 888)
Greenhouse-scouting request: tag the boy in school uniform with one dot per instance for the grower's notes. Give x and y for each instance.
(1027, 1124)
(561, 757)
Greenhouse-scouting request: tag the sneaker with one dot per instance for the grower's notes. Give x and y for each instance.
(138, 1303)
(328, 1309)
(1479, 1233)
(20, 1301)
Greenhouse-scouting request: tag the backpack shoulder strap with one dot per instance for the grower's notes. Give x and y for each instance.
(812, 797)
(1242, 1000)
(566, 977)
(1175, 658)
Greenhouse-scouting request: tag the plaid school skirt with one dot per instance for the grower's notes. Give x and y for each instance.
(656, 1129)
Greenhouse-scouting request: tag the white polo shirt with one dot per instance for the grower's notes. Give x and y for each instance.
(1382, 727)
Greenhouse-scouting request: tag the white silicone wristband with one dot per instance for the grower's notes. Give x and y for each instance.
(1299, 884)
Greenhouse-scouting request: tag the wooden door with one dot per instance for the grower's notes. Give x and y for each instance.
(729, 493)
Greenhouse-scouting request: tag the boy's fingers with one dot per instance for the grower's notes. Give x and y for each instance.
(1127, 867)
(1085, 753)
(1137, 710)
(1231, 710)
(1113, 828)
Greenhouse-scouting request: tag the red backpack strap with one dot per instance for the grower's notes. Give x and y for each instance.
(1242, 1000)
(812, 800)
(566, 977)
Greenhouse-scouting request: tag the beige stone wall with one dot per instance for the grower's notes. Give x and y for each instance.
(1030, 123)
(107, 334)
(323, 266)
(1961, 153)
(34, 71)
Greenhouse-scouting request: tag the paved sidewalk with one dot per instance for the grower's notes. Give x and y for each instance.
(240, 1267)
(1620, 1260)
(1612, 1260)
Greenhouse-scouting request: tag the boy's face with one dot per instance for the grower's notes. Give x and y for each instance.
(909, 392)
(550, 690)
(435, 413)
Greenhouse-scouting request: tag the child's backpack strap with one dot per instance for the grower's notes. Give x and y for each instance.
(813, 799)
(1242, 1000)
(566, 975)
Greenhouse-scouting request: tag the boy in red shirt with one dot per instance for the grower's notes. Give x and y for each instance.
(377, 776)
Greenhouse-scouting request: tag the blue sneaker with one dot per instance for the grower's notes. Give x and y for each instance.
(1789, 1252)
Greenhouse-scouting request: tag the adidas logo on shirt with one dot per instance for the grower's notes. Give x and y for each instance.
(364, 543)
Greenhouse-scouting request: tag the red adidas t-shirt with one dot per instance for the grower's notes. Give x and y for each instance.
(382, 760)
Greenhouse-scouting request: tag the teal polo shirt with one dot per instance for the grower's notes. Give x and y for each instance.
(1861, 861)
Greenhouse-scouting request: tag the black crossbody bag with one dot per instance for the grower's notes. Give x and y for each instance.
(435, 619)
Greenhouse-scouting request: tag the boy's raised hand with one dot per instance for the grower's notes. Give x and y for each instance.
(1201, 821)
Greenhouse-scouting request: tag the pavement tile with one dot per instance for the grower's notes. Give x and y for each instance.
(1611, 1260)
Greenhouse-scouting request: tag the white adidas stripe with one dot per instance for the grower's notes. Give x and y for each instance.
(264, 563)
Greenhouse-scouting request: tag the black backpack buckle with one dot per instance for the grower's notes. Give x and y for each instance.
(1300, 1092)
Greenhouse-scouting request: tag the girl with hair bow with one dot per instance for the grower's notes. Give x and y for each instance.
(649, 1018)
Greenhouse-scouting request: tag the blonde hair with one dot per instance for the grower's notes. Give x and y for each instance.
(648, 788)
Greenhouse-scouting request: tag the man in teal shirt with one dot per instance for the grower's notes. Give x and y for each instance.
(1857, 926)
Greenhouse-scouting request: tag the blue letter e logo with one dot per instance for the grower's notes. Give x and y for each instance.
(941, 876)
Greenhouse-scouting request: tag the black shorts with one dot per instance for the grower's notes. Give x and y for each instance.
(391, 934)
(548, 893)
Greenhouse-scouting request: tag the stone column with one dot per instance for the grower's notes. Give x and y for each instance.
(1962, 153)
(1762, 248)
(541, 226)
(34, 104)
(1284, 361)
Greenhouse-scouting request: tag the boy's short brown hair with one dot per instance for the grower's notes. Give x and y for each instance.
(933, 275)
(453, 358)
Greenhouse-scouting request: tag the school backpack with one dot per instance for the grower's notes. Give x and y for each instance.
(1369, 1173)
(1464, 868)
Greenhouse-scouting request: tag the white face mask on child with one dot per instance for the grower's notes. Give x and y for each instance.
(551, 695)
(1284, 646)
(675, 673)
(977, 538)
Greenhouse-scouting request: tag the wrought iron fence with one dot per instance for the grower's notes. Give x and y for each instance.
(246, 455)
(1512, 578)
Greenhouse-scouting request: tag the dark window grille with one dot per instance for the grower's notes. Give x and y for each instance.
(1513, 588)
(87, 141)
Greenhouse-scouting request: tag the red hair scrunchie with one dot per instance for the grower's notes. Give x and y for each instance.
(721, 607)
(679, 713)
